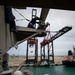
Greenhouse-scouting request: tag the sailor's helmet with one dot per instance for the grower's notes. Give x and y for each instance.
(18, 73)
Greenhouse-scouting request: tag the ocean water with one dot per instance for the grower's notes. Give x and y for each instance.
(51, 70)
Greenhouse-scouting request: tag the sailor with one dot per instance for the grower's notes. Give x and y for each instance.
(33, 22)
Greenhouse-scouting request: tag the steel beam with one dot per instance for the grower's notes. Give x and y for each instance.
(54, 4)
(44, 13)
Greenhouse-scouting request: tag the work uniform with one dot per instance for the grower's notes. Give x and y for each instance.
(33, 22)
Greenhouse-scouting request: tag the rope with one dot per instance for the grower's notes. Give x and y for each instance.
(19, 19)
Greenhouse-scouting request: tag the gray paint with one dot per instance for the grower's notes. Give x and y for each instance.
(2, 30)
(7, 38)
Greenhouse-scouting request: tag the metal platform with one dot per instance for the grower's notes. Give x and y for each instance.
(24, 32)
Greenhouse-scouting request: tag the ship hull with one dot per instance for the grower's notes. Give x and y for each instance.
(69, 63)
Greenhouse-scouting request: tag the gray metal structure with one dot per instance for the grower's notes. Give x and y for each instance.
(8, 38)
(54, 4)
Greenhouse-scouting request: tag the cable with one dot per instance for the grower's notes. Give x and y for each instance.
(21, 14)
(19, 19)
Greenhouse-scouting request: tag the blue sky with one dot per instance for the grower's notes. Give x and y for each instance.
(57, 19)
